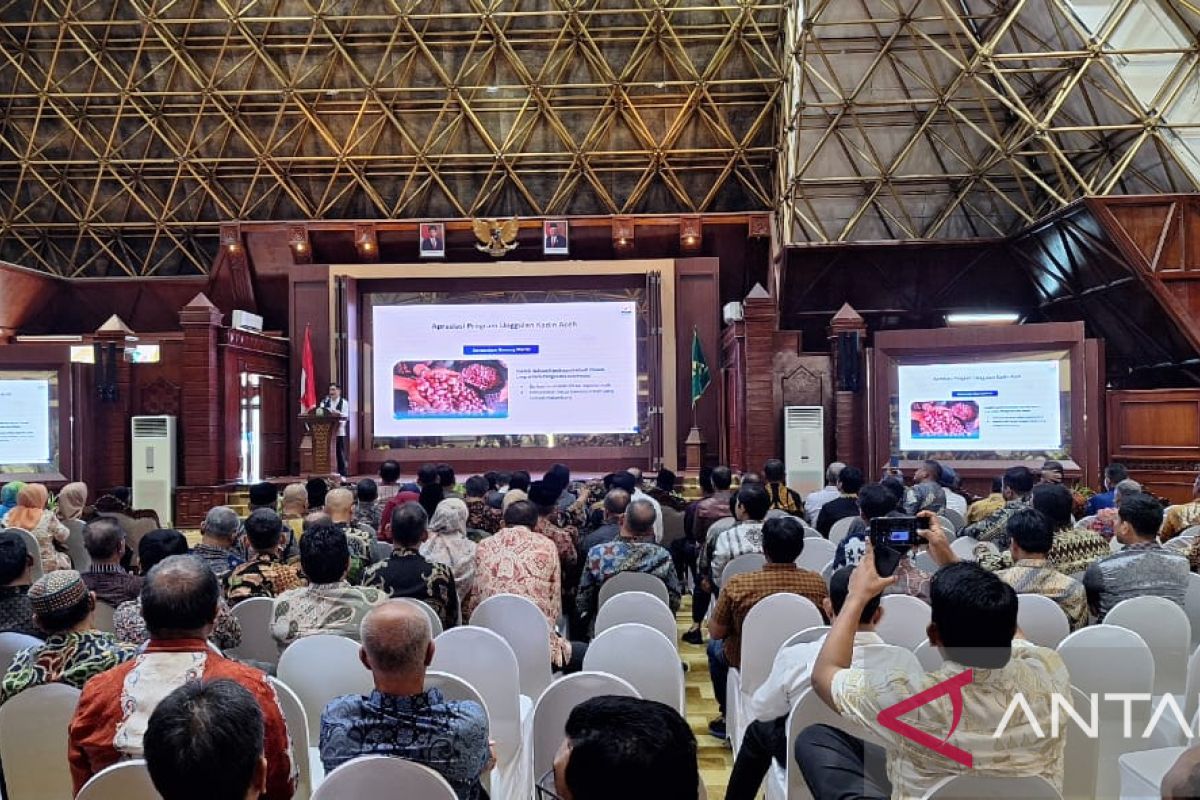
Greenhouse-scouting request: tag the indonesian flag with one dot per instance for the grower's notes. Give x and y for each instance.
(308, 375)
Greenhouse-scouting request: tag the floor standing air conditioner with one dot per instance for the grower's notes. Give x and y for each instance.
(154, 465)
(804, 447)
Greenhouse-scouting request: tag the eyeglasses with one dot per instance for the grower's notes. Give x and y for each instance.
(545, 786)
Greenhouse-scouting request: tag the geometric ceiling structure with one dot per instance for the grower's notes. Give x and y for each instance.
(924, 119)
(129, 129)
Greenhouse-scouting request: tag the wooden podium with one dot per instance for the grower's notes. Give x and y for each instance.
(316, 449)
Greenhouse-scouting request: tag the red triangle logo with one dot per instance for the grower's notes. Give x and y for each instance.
(890, 718)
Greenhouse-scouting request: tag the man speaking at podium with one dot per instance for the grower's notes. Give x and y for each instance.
(337, 406)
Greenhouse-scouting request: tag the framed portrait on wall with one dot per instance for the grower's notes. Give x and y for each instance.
(433, 240)
(555, 238)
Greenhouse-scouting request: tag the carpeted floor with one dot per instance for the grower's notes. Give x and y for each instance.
(716, 760)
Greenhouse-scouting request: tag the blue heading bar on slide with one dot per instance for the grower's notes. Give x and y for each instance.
(976, 393)
(500, 350)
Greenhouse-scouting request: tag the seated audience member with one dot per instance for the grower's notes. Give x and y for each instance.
(1179, 518)
(1104, 521)
(1031, 538)
(817, 500)
(566, 540)
(518, 561)
(128, 622)
(447, 544)
(204, 741)
(265, 574)
(497, 486)
(636, 493)
(316, 488)
(1182, 781)
(71, 501)
(987, 505)
(265, 495)
(179, 602)
(973, 625)
(850, 480)
(782, 498)
(339, 507)
(368, 508)
(106, 578)
(446, 479)
(74, 650)
(616, 502)
(623, 747)
(16, 573)
(293, 505)
(407, 573)
(956, 500)
(745, 536)
(1113, 474)
(400, 718)
(874, 501)
(1017, 484)
(430, 496)
(664, 492)
(927, 493)
(217, 533)
(766, 737)
(714, 507)
(329, 604)
(782, 543)
(481, 516)
(909, 578)
(8, 496)
(633, 550)
(389, 477)
(1052, 472)
(30, 514)
(1074, 549)
(1143, 567)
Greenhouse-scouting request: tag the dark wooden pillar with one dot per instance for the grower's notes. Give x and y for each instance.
(111, 405)
(847, 334)
(762, 421)
(201, 406)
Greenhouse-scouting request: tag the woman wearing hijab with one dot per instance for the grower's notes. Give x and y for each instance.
(32, 515)
(8, 496)
(448, 544)
(71, 501)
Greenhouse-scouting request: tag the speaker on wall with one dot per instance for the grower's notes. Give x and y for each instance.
(849, 364)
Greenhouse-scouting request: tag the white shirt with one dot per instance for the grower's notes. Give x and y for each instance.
(341, 407)
(793, 668)
(638, 494)
(956, 502)
(813, 503)
(744, 537)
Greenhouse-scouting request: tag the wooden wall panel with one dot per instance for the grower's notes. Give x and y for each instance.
(696, 306)
(309, 304)
(1158, 425)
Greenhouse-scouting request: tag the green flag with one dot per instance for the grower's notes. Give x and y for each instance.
(700, 374)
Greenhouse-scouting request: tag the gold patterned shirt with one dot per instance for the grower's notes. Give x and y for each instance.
(1036, 576)
(1179, 518)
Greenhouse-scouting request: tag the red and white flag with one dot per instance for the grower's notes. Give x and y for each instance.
(308, 375)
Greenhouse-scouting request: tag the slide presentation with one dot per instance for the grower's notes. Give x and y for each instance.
(1008, 405)
(25, 425)
(505, 369)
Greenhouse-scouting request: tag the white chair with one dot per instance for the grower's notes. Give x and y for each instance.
(924, 562)
(1165, 628)
(1142, 772)
(33, 549)
(255, 615)
(520, 623)
(807, 710)
(1081, 753)
(1191, 606)
(947, 525)
(127, 780)
(816, 554)
(321, 667)
(483, 659)
(642, 656)
(80, 559)
(974, 787)
(964, 548)
(840, 529)
(33, 742)
(637, 607)
(12, 643)
(305, 753)
(928, 656)
(812, 533)
(905, 620)
(806, 636)
(555, 705)
(746, 562)
(453, 688)
(381, 776)
(1042, 620)
(1191, 691)
(633, 582)
(435, 622)
(955, 518)
(381, 551)
(102, 617)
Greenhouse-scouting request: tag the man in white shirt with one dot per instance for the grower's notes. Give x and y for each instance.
(337, 406)
(766, 737)
(633, 485)
(814, 501)
(753, 503)
(954, 500)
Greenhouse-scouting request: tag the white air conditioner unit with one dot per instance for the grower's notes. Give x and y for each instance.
(245, 321)
(804, 447)
(154, 465)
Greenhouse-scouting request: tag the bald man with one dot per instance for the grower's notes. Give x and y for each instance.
(339, 507)
(400, 718)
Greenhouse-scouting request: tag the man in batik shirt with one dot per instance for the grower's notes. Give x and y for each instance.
(264, 575)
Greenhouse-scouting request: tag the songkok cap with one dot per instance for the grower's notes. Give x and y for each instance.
(542, 493)
(56, 591)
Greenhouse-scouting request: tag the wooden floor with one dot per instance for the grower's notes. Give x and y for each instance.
(716, 760)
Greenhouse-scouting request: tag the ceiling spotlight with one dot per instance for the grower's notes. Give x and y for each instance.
(983, 318)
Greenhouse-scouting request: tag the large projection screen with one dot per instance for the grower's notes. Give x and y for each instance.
(29, 423)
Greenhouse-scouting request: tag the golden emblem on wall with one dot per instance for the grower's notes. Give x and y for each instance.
(496, 238)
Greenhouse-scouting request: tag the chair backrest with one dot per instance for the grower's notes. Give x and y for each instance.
(127, 780)
(1108, 658)
(381, 776)
(1165, 628)
(102, 618)
(1042, 620)
(637, 607)
(297, 726)
(655, 671)
(928, 656)
(483, 659)
(746, 562)
(811, 710)
(841, 529)
(435, 622)
(905, 620)
(321, 667)
(812, 533)
(135, 530)
(33, 742)
(454, 688)
(12, 643)
(381, 551)
(805, 636)
(520, 623)
(633, 582)
(816, 554)
(955, 518)
(924, 562)
(964, 548)
(34, 549)
(254, 615)
(947, 525)
(1081, 754)
(973, 787)
(1191, 606)
(672, 525)
(771, 622)
(555, 704)
(80, 559)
